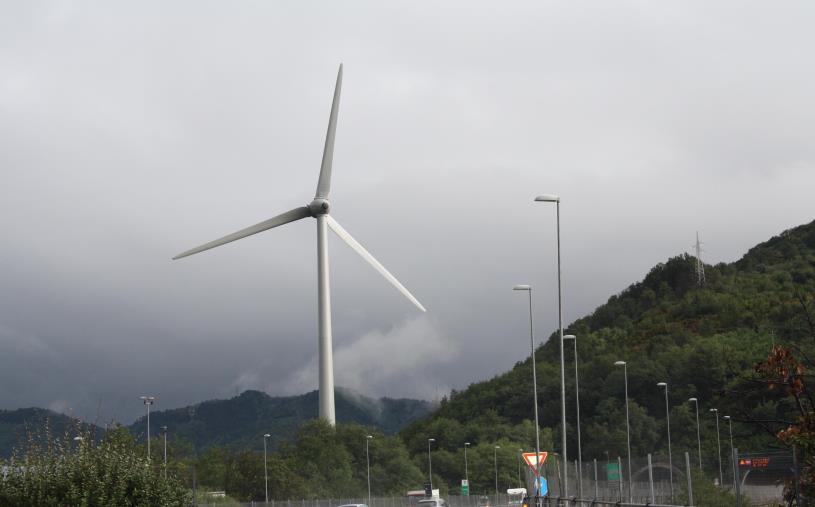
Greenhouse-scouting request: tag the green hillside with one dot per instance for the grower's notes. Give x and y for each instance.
(17, 426)
(240, 422)
(705, 341)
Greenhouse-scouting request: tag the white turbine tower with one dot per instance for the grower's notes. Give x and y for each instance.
(319, 208)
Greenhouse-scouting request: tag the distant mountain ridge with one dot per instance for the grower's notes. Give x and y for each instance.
(240, 421)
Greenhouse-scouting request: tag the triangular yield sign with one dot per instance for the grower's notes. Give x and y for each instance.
(532, 459)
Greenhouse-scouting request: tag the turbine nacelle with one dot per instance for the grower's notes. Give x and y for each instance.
(319, 206)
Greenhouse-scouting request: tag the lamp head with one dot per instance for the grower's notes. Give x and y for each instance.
(726, 417)
(466, 444)
(522, 287)
(662, 384)
(266, 435)
(619, 363)
(431, 439)
(569, 337)
(497, 446)
(714, 410)
(693, 400)
(547, 198)
(369, 437)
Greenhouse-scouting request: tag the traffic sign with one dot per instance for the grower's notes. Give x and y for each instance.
(465, 487)
(612, 472)
(532, 459)
(542, 486)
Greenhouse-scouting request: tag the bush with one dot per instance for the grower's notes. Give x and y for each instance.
(82, 472)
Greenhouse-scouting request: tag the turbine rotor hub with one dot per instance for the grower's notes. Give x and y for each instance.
(319, 207)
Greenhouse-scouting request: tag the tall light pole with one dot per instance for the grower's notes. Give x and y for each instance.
(732, 458)
(556, 199)
(627, 425)
(668, 419)
(148, 400)
(430, 463)
(466, 469)
(577, 404)
(165, 450)
(265, 470)
(698, 434)
(495, 463)
(718, 444)
(368, 462)
(528, 289)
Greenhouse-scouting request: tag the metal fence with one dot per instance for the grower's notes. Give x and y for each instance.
(656, 481)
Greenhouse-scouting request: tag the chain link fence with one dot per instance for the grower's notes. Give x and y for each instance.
(655, 480)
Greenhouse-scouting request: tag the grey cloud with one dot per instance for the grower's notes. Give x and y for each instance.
(129, 132)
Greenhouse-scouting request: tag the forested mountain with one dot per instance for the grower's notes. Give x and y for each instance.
(17, 426)
(703, 340)
(241, 422)
(238, 422)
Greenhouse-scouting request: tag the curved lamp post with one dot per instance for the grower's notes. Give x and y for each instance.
(556, 199)
(466, 468)
(732, 456)
(148, 400)
(718, 445)
(430, 462)
(495, 461)
(528, 289)
(577, 404)
(668, 419)
(627, 426)
(368, 463)
(265, 470)
(698, 434)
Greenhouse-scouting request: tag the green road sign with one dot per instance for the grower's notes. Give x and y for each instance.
(612, 472)
(465, 488)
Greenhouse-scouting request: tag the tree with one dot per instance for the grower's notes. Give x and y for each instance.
(80, 472)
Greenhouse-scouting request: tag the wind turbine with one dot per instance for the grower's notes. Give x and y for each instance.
(319, 209)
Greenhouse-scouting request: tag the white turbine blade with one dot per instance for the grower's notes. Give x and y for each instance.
(343, 234)
(324, 183)
(283, 218)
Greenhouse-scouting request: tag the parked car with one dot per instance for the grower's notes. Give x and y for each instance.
(484, 501)
(432, 502)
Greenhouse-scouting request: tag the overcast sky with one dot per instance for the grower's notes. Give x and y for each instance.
(130, 131)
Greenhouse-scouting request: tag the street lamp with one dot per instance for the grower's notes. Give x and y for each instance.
(368, 462)
(668, 419)
(556, 199)
(148, 400)
(698, 434)
(165, 450)
(495, 462)
(520, 484)
(627, 425)
(577, 404)
(430, 463)
(528, 289)
(466, 470)
(732, 457)
(718, 444)
(265, 470)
